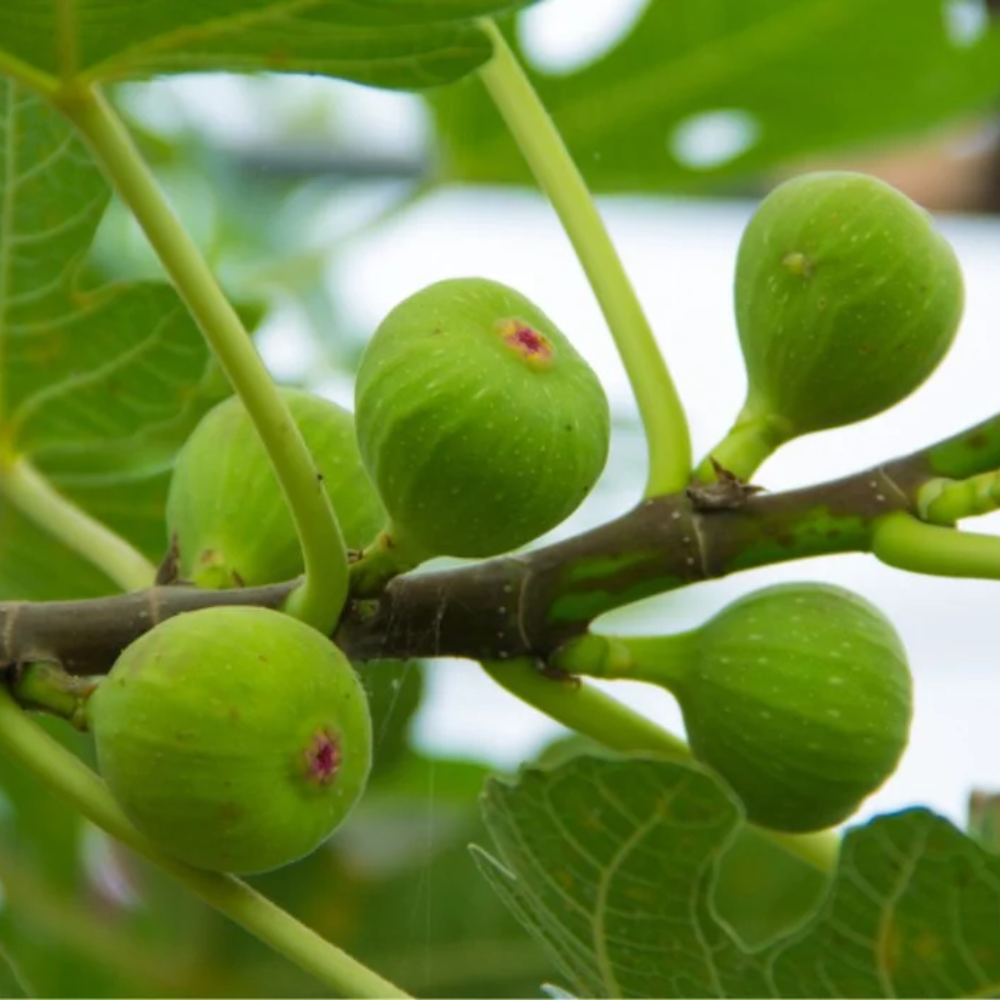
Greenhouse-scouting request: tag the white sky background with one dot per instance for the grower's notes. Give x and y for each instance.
(680, 255)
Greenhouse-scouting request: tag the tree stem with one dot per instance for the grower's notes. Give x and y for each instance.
(661, 659)
(945, 501)
(324, 592)
(29, 745)
(660, 407)
(746, 446)
(46, 687)
(586, 709)
(900, 540)
(38, 500)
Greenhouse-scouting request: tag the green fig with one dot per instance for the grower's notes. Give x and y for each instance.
(799, 695)
(847, 299)
(226, 513)
(236, 738)
(480, 424)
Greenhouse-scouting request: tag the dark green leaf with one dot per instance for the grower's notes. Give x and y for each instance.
(395, 689)
(98, 385)
(388, 43)
(608, 862)
(759, 81)
(33, 566)
(12, 982)
(612, 864)
(912, 913)
(762, 891)
(84, 368)
(54, 884)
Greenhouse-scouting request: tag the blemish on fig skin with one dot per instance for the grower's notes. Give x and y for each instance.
(323, 758)
(230, 812)
(532, 346)
(798, 264)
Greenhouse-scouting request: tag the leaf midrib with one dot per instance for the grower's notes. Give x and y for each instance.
(213, 28)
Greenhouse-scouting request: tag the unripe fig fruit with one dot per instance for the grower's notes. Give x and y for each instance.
(480, 424)
(235, 738)
(846, 300)
(799, 695)
(226, 511)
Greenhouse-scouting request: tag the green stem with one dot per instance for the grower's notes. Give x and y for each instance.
(34, 496)
(585, 709)
(900, 540)
(46, 687)
(324, 592)
(58, 769)
(967, 453)
(661, 659)
(391, 554)
(746, 446)
(945, 501)
(660, 407)
(582, 707)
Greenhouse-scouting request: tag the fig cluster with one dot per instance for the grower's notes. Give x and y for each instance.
(236, 738)
(477, 429)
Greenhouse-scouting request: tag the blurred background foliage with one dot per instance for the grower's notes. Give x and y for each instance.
(274, 177)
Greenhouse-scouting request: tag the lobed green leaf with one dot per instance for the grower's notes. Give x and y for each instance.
(12, 983)
(387, 43)
(98, 384)
(613, 866)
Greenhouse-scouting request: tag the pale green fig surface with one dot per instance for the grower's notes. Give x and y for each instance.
(800, 696)
(846, 297)
(227, 512)
(236, 738)
(480, 424)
